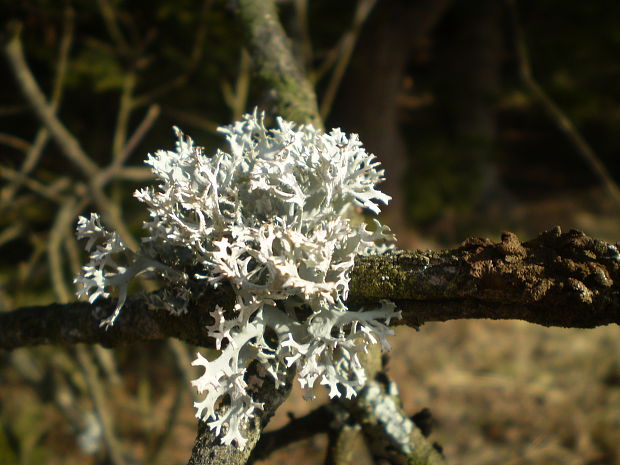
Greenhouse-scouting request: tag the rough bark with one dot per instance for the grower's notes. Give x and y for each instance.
(567, 280)
(293, 96)
(80, 322)
(557, 279)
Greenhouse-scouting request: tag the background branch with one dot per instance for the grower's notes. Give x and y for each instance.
(294, 97)
(560, 118)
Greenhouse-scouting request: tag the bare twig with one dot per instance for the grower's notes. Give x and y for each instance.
(364, 7)
(155, 455)
(95, 388)
(195, 57)
(59, 231)
(560, 118)
(14, 142)
(315, 422)
(143, 128)
(12, 110)
(63, 220)
(192, 119)
(301, 16)
(122, 118)
(109, 18)
(237, 99)
(135, 173)
(44, 191)
(68, 143)
(9, 233)
(183, 363)
(33, 153)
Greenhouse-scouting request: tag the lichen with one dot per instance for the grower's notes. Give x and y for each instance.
(269, 218)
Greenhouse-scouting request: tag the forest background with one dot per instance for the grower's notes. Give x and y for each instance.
(436, 90)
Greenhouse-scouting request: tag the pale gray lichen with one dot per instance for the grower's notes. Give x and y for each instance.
(385, 409)
(269, 217)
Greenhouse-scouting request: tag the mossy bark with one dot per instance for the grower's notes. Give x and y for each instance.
(293, 96)
(557, 279)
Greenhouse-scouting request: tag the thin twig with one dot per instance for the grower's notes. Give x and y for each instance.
(12, 110)
(15, 142)
(122, 118)
(301, 16)
(192, 119)
(194, 61)
(560, 118)
(69, 145)
(183, 363)
(35, 150)
(109, 18)
(67, 142)
(155, 456)
(143, 128)
(59, 230)
(364, 7)
(315, 422)
(11, 232)
(95, 389)
(237, 99)
(34, 185)
(135, 173)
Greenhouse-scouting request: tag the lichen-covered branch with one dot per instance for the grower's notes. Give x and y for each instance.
(391, 436)
(294, 97)
(557, 279)
(80, 322)
(208, 447)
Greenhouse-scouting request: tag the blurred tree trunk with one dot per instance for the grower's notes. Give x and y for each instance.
(367, 103)
(467, 82)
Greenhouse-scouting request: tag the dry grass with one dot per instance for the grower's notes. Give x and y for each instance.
(505, 393)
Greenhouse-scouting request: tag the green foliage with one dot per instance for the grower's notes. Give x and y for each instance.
(98, 65)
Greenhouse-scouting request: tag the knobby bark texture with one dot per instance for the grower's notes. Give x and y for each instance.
(557, 279)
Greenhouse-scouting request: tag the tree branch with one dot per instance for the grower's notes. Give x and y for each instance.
(560, 118)
(294, 96)
(315, 422)
(567, 280)
(79, 322)
(208, 449)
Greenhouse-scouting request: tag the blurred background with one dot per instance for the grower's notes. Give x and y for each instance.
(487, 116)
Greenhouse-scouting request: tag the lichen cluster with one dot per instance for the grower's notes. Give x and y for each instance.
(269, 217)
